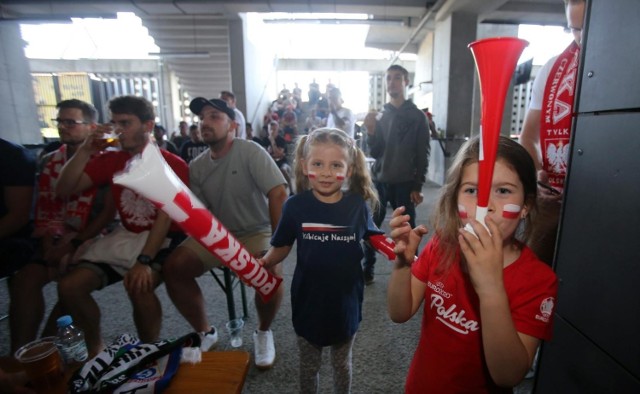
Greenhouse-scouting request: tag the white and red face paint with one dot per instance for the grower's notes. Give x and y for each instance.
(462, 212)
(313, 175)
(511, 211)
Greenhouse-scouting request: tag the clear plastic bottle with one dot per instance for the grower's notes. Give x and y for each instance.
(71, 342)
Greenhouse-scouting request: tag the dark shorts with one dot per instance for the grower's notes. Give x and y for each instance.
(15, 253)
(109, 276)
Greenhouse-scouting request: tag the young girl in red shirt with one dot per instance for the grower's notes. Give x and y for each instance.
(488, 299)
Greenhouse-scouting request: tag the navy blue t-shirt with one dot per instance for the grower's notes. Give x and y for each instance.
(328, 283)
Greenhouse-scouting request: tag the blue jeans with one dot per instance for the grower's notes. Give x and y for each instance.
(398, 195)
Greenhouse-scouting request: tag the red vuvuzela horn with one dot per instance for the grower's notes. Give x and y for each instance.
(495, 59)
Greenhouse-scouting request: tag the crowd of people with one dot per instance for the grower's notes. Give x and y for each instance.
(488, 299)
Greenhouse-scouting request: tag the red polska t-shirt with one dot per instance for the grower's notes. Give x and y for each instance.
(449, 357)
(136, 212)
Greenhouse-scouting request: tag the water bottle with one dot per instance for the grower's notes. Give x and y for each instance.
(70, 341)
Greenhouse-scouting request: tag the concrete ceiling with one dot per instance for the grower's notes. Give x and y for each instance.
(194, 34)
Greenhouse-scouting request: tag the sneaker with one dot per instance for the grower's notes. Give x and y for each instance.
(264, 349)
(208, 339)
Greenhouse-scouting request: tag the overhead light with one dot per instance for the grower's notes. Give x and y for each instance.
(330, 19)
(37, 20)
(53, 18)
(181, 55)
(377, 22)
(313, 15)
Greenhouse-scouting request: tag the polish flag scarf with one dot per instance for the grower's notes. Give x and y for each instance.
(55, 216)
(557, 111)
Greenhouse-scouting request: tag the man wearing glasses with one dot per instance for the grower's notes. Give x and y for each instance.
(134, 251)
(62, 225)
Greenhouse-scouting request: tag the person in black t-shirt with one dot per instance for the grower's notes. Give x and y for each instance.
(192, 148)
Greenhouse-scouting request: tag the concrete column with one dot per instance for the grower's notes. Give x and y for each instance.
(236, 56)
(453, 73)
(260, 63)
(170, 103)
(18, 114)
(453, 87)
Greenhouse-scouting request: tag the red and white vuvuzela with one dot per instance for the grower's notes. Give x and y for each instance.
(150, 176)
(496, 60)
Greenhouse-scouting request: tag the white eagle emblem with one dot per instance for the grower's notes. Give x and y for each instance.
(139, 210)
(546, 307)
(558, 156)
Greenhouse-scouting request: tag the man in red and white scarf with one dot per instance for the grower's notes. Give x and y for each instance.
(62, 225)
(547, 129)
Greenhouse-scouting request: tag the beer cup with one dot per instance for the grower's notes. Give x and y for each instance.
(109, 137)
(42, 363)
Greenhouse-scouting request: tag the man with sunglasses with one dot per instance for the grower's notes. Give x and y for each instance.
(134, 251)
(62, 225)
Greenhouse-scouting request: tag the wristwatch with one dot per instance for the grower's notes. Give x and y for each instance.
(144, 259)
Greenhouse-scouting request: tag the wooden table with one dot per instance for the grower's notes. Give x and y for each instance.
(219, 372)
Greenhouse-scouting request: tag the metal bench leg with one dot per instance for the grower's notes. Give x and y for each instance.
(243, 295)
(227, 284)
(228, 288)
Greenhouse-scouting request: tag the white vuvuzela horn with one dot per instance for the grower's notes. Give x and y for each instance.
(149, 175)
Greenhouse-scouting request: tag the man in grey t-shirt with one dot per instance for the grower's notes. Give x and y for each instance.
(242, 186)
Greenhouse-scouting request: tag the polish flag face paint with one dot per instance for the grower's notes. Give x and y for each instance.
(312, 175)
(511, 211)
(462, 212)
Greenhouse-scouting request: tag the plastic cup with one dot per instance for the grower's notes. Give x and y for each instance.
(109, 138)
(234, 328)
(42, 363)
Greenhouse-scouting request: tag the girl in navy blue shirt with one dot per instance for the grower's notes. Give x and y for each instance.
(328, 224)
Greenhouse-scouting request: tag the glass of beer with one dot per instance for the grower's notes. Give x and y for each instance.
(42, 363)
(109, 137)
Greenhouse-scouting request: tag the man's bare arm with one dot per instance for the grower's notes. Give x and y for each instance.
(530, 136)
(276, 196)
(73, 179)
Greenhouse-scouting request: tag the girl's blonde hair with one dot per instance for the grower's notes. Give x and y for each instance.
(360, 181)
(446, 218)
